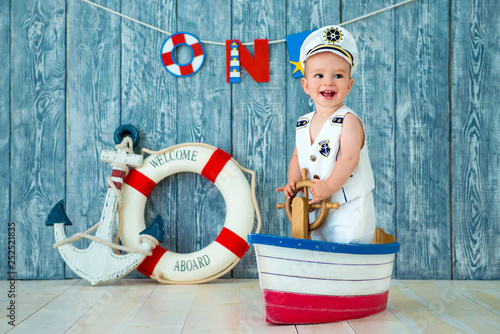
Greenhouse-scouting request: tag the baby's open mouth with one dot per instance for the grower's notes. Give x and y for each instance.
(328, 94)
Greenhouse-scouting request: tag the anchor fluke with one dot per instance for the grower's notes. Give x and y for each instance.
(58, 215)
(155, 229)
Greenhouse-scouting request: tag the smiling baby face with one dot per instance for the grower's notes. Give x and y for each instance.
(327, 80)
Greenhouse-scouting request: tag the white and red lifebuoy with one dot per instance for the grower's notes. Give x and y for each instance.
(230, 245)
(197, 54)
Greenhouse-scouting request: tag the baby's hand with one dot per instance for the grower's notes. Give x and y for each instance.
(319, 191)
(288, 190)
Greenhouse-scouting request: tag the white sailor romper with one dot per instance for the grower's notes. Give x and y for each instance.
(354, 221)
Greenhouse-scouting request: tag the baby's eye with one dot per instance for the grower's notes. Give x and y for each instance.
(319, 76)
(338, 76)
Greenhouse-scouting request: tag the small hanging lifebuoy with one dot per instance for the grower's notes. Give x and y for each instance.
(230, 245)
(197, 54)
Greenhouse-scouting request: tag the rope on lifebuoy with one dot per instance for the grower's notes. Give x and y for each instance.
(160, 263)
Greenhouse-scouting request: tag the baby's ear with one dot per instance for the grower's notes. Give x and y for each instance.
(304, 85)
(351, 83)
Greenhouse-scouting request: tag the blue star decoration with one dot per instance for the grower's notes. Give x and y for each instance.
(293, 44)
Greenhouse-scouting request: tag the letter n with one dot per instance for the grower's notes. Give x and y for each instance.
(258, 66)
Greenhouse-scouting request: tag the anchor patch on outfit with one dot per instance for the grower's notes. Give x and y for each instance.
(324, 147)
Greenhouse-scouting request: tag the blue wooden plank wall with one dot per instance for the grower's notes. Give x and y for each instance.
(426, 88)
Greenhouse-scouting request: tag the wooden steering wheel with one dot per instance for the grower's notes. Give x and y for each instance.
(300, 219)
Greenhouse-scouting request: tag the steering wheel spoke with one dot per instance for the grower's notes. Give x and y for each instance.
(296, 218)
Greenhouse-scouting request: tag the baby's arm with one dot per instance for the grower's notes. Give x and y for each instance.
(351, 142)
(294, 175)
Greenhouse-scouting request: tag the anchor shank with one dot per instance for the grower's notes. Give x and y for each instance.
(105, 230)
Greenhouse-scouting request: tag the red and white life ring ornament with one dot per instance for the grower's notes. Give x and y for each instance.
(231, 244)
(197, 54)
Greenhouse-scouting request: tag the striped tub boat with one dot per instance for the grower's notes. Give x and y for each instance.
(307, 281)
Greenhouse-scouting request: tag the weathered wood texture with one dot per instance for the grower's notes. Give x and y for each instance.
(5, 136)
(426, 89)
(93, 99)
(422, 121)
(475, 131)
(37, 133)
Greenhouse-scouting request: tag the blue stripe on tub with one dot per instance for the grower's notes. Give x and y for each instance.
(323, 246)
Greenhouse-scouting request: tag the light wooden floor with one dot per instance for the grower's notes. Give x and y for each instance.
(234, 306)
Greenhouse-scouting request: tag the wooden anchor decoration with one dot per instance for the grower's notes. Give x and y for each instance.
(99, 262)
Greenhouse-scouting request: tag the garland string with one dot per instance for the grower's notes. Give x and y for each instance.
(220, 43)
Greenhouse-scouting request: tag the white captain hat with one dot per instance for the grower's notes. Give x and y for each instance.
(331, 38)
